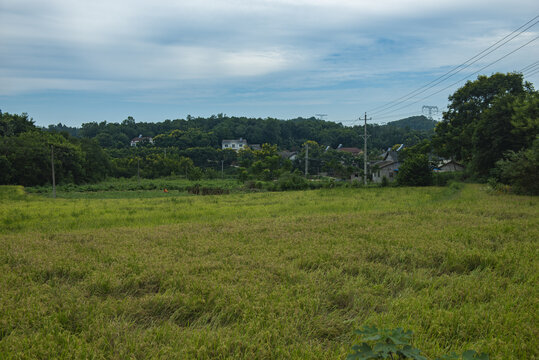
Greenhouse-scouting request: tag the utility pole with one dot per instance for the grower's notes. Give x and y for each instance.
(306, 159)
(365, 137)
(222, 169)
(138, 170)
(53, 177)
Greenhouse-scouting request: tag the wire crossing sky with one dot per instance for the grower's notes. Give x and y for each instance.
(79, 61)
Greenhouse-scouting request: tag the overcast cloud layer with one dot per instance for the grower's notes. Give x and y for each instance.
(77, 61)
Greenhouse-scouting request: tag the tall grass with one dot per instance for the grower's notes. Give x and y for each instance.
(268, 275)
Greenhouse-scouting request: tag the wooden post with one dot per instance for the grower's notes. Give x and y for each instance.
(53, 177)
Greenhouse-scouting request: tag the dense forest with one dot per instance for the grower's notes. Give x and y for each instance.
(286, 134)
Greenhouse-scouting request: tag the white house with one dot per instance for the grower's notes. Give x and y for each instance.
(234, 144)
(141, 140)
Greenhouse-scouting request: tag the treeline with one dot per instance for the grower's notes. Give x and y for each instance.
(190, 148)
(286, 134)
(26, 152)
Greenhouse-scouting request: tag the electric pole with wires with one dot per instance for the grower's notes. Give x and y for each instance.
(365, 137)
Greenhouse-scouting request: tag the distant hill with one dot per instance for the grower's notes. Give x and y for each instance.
(421, 123)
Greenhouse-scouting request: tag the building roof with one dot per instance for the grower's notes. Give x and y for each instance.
(140, 138)
(447, 162)
(240, 140)
(385, 163)
(287, 154)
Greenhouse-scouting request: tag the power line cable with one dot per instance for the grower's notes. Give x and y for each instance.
(532, 73)
(527, 72)
(526, 68)
(466, 77)
(459, 68)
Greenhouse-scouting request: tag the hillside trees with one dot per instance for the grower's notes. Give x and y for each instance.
(14, 124)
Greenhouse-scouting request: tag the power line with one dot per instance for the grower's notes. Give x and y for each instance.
(529, 71)
(458, 68)
(415, 113)
(466, 77)
(526, 68)
(532, 73)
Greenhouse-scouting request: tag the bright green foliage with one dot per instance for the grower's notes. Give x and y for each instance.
(395, 344)
(384, 344)
(13, 124)
(264, 164)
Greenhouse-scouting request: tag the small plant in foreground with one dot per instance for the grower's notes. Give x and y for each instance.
(395, 344)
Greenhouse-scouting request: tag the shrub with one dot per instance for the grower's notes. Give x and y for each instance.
(396, 344)
(415, 171)
(521, 170)
(292, 181)
(194, 173)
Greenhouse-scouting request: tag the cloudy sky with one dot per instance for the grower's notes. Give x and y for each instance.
(73, 61)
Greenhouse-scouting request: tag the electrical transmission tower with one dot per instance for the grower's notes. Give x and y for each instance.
(430, 110)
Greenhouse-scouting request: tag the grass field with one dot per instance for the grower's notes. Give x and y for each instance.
(267, 275)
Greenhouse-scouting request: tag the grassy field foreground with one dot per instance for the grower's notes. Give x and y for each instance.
(268, 275)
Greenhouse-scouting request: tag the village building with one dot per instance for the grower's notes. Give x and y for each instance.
(351, 150)
(141, 140)
(290, 155)
(387, 167)
(449, 166)
(235, 145)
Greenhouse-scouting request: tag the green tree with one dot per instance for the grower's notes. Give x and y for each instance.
(521, 170)
(525, 119)
(454, 135)
(415, 171)
(13, 124)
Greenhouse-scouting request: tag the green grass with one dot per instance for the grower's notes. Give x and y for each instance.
(268, 275)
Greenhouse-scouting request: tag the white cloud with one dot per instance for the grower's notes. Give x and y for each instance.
(259, 45)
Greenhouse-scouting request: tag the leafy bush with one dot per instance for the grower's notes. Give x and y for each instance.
(415, 171)
(194, 174)
(292, 181)
(521, 170)
(396, 344)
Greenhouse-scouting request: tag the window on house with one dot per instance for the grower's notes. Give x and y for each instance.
(233, 145)
(226, 145)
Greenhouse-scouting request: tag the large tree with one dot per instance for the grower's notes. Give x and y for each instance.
(477, 127)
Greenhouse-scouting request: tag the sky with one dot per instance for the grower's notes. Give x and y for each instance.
(72, 62)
